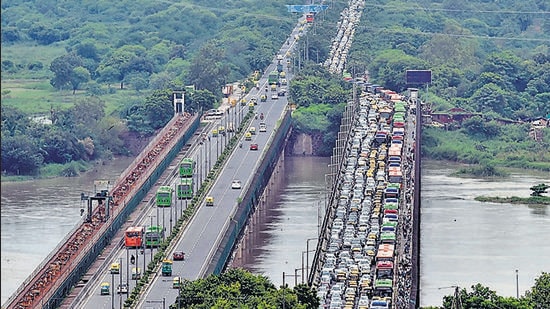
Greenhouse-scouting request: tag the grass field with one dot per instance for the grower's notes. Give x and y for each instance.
(37, 97)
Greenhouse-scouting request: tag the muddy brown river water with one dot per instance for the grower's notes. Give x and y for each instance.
(463, 241)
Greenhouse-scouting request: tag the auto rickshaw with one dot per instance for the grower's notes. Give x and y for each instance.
(105, 288)
(209, 201)
(251, 106)
(115, 268)
(248, 136)
(176, 283)
(243, 102)
(263, 98)
(215, 133)
(136, 273)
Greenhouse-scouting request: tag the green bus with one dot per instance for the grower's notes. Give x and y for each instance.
(187, 167)
(164, 196)
(383, 287)
(185, 188)
(273, 78)
(154, 236)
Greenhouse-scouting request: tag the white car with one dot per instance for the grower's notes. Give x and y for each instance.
(236, 184)
(263, 127)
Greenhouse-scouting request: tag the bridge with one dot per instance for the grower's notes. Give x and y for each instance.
(71, 276)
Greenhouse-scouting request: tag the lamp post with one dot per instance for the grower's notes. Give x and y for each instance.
(128, 266)
(307, 257)
(517, 284)
(112, 290)
(305, 252)
(120, 284)
(151, 247)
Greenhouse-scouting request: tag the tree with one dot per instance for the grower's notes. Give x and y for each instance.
(208, 68)
(238, 288)
(20, 155)
(539, 189)
(79, 76)
(539, 295)
(63, 68)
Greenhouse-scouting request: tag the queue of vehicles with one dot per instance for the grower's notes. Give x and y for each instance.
(359, 263)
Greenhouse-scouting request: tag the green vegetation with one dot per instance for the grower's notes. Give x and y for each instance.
(501, 79)
(482, 297)
(536, 197)
(509, 148)
(55, 56)
(532, 200)
(237, 288)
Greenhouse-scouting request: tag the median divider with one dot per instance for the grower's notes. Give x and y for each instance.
(154, 265)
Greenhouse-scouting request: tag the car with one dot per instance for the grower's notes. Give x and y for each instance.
(178, 256)
(122, 289)
(263, 127)
(274, 96)
(253, 146)
(236, 184)
(252, 130)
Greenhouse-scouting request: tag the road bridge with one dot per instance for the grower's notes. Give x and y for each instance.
(210, 233)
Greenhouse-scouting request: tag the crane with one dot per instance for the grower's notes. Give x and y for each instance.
(457, 302)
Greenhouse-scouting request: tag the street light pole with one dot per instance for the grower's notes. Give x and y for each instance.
(517, 284)
(307, 257)
(112, 290)
(120, 296)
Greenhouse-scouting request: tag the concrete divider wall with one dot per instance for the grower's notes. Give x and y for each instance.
(251, 197)
(118, 221)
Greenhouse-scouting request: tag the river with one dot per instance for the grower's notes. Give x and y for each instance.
(485, 244)
(38, 214)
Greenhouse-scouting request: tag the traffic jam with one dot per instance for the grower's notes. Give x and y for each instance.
(367, 260)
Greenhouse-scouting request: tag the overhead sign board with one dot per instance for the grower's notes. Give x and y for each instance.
(419, 76)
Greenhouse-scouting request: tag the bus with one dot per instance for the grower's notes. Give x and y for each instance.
(385, 253)
(383, 287)
(164, 196)
(133, 237)
(310, 17)
(185, 189)
(154, 236)
(273, 78)
(187, 167)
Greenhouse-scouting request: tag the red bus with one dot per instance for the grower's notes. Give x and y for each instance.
(309, 17)
(133, 237)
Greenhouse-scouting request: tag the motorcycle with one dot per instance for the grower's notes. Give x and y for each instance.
(262, 116)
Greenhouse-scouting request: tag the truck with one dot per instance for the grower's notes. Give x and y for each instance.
(167, 267)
